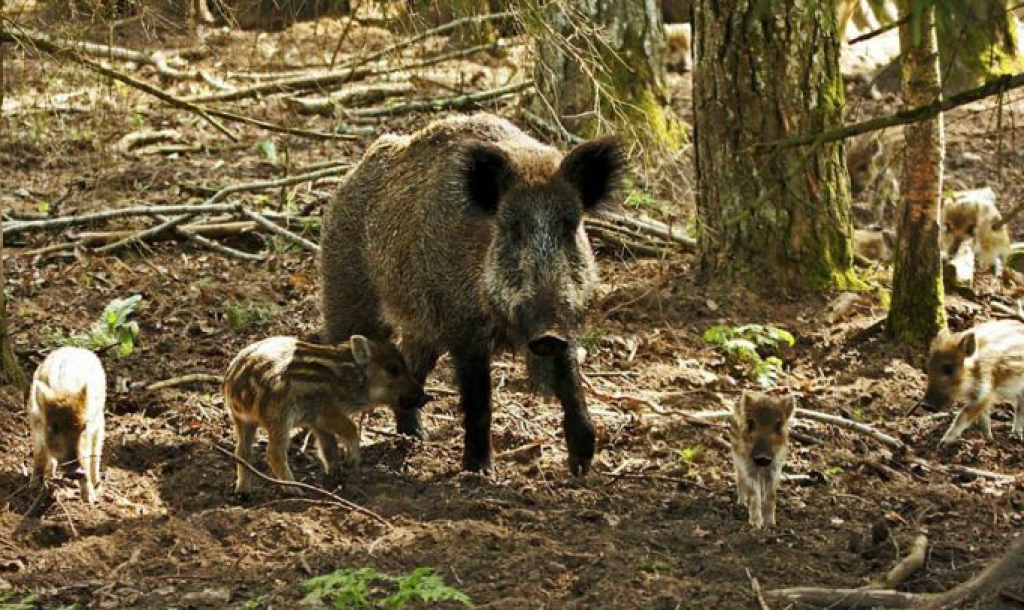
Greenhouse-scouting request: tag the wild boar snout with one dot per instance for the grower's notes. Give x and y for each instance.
(548, 344)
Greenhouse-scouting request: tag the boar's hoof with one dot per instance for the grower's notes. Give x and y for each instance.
(243, 497)
(74, 474)
(547, 345)
(409, 423)
(478, 464)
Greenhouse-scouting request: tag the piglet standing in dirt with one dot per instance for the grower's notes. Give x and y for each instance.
(981, 366)
(65, 412)
(282, 383)
(468, 236)
(972, 215)
(759, 433)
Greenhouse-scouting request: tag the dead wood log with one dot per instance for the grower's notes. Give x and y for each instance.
(142, 236)
(913, 562)
(326, 105)
(455, 102)
(1008, 569)
(213, 229)
(331, 78)
(216, 247)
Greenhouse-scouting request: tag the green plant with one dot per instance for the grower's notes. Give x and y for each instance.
(112, 329)
(590, 340)
(369, 588)
(268, 150)
(9, 601)
(255, 603)
(239, 314)
(688, 454)
(754, 347)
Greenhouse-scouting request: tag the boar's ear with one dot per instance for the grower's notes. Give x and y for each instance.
(43, 393)
(594, 169)
(968, 344)
(488, 174)
(360, 349)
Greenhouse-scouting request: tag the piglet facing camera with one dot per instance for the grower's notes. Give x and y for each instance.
(759, 433)
(65, 411)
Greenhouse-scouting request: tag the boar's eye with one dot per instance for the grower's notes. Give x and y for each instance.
(970, 230)
(778, 427)
(948, 369)
(392, 369)
(949, 229)
(751, 424)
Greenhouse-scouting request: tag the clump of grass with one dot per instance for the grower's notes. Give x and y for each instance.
(369, 588)
(241, 314)
(752, 347)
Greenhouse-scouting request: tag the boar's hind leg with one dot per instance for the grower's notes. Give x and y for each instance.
(421, 358)
(473, 373)
(579, 429)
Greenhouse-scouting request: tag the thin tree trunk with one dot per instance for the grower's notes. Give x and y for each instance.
(601, 62)
(765, 71)
(917, 313)
(10, 370)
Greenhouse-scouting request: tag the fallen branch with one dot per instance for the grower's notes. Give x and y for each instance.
(351, 96)
(859, 427)
(614, 238)
(278, 230)
(996, 86)
(456, 102)
(1005, 570)
(216, 247)
(184, 380)
(70, 53)
(141, 236)
(157, 59)
(913, 562)
(206, 229)
(755, 588)
(324, 80)
(336, 499)
(652, 227)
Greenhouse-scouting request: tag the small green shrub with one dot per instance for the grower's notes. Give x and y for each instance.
(9, 600)
(368, 588)
(240, 314)
(753, 347)
(112, 329)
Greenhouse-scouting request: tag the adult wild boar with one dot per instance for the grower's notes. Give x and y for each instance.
(465, 237)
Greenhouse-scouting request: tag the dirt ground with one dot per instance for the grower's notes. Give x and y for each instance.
(649, 529)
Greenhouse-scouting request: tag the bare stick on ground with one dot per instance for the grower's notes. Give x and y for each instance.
(1008, 569)
(334, 498)
(456, 102)
(184, 380)
(826, 418)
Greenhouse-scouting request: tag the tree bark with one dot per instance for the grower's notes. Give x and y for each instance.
(10, 370)
(601, 62)
(917, 313)
(766, 71)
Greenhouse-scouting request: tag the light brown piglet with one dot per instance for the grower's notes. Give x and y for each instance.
(65, 412)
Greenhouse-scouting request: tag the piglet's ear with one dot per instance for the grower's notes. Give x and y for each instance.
(594, 169)
(788, 408)
(488, 174)
(968, 345)
(43, 393)
(739, 410)
(360, 349)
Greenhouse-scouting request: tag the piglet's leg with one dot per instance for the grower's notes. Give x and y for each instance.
(1018, 420)
(334, 420)
(965, 418)
(40, 458)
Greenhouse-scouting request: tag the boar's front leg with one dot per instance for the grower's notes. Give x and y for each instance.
(473, 374)
(579, 429)
(421, 358)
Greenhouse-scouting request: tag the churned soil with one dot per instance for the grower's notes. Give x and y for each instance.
(655, 526)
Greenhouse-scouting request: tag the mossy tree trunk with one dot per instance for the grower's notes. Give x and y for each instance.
(10, 370)
(767, 71)
(917, 313)
(601, 62)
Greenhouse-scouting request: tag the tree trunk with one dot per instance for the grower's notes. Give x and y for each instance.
(10, 370)
(767, 71)
(621, 78)
(917, 313)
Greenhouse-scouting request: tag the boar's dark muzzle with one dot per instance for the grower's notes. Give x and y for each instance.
(548, 344)
(762, 460)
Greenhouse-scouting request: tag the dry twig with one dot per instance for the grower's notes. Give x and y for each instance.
(334, 498)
